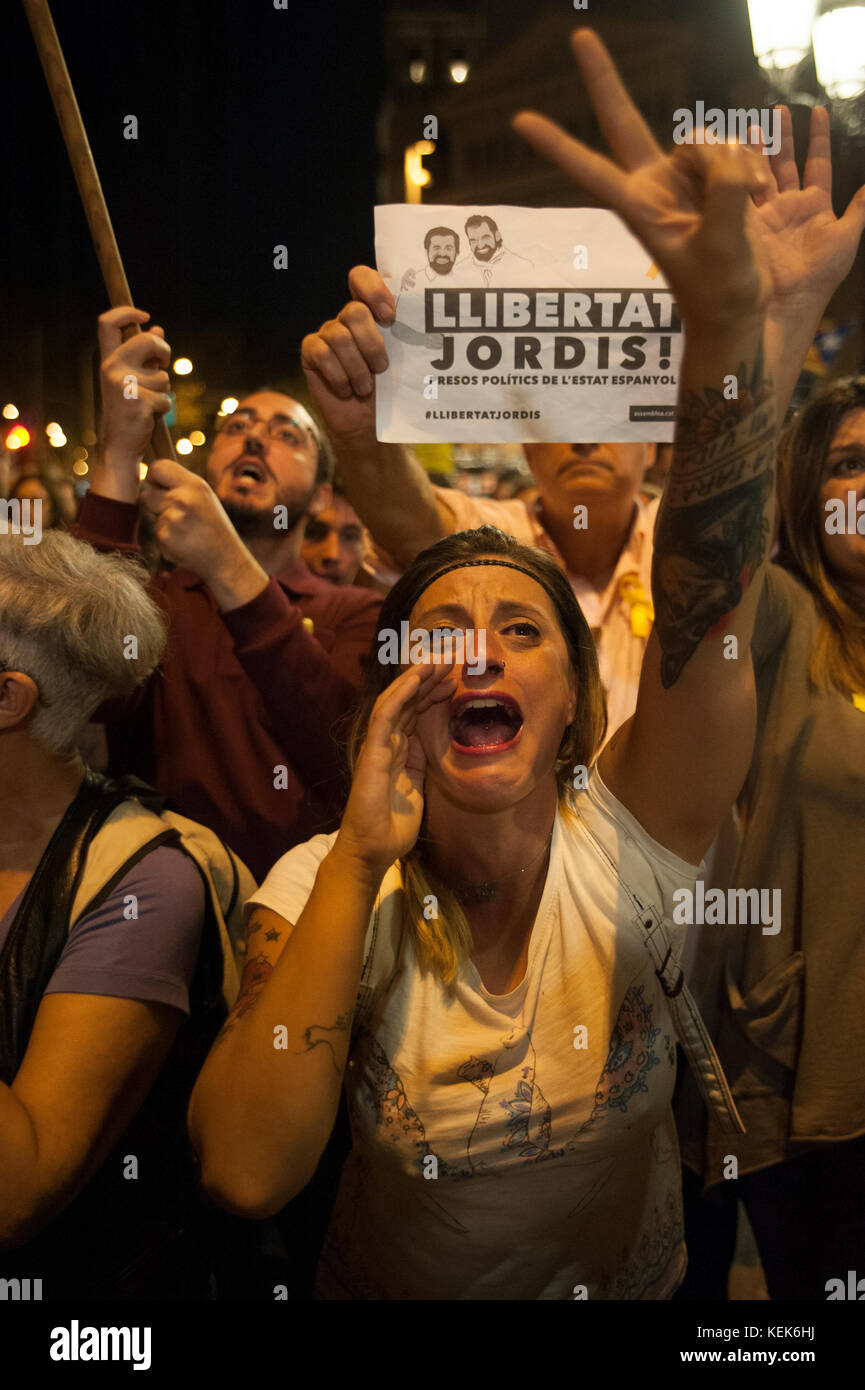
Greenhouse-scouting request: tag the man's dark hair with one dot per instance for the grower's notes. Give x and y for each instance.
(477, 218)
(323, 457)
(441, 231)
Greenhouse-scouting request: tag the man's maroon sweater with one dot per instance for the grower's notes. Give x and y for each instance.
(241, 696)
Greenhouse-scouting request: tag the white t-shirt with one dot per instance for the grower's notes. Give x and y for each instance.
(518, 1146)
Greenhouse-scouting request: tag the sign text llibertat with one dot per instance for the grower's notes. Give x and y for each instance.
(518, 324)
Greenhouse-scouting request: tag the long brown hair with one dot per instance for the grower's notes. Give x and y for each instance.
(838, 658)
(442, 938)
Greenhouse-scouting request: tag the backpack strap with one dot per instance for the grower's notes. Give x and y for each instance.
(131, 832)
(229, 883)
(687, 1019)
(38, 933)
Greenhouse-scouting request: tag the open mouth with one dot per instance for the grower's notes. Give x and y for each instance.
(485, 723)
(249, 468)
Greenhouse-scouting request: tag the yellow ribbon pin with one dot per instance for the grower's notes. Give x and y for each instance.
(642, 611)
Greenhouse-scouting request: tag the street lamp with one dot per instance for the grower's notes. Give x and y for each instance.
(781, 31)
(416, 176)
(839, 48)
(417, 69)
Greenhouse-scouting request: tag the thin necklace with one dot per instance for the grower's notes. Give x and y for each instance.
(470, 894)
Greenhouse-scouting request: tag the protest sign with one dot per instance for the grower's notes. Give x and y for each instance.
(516, 324)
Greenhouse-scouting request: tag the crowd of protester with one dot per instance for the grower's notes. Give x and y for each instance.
(403, 939)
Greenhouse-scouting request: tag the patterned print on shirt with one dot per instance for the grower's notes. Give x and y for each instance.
(631, 1055)
(658, 1266)
(531, 1121)
(529, 1126)
(390, 1102)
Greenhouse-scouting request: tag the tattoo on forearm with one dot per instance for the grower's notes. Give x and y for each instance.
(342, 1025)
(713, 528)
(255, 977)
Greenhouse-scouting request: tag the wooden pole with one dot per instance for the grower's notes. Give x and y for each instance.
(84, 169)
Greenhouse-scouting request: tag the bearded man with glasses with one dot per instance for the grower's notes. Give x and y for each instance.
(263, 656)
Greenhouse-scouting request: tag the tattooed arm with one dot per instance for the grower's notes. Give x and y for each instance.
(681, 760)
(679, 763)
(266, 1099)
(265, 1102)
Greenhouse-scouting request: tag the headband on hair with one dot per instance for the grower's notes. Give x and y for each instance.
(470, 564)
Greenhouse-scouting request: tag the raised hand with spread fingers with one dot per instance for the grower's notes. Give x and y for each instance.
(680, 761)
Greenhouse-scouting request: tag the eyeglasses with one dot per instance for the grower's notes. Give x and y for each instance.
(280, 427)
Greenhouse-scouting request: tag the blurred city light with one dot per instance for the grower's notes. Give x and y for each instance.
(183, 366)
(229, 405)
(79, 453)
(142, 471)
(18, 438)
(80, 467)
(416, 176)
(417, 69)
(10, 412)
(197, 437)
(57, 439)
(459, 69)
(53, 428)
(184, 446)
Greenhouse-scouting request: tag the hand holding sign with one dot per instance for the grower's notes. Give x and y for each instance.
(341, 360)
(691, 209)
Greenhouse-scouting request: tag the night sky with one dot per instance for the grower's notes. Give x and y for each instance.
(254, 130)
(256, 127)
